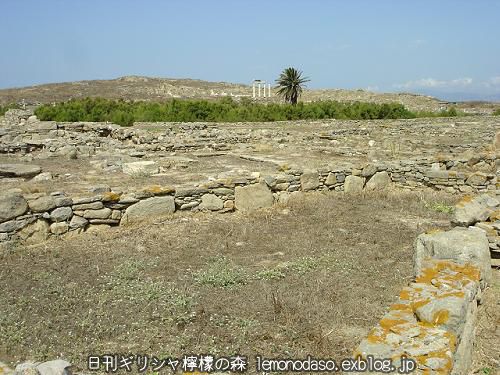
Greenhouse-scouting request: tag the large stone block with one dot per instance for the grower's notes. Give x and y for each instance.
(309, 180)
(253, 197)
(461, 245)
(42, 204)
(19, 170)
(354, 184)
(379, 181)
(211, 202)
(35, 232)
(148, 209)
(12, 205)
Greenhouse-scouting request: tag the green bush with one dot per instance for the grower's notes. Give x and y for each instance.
(497, 112)
(5, 108)
(224, 110)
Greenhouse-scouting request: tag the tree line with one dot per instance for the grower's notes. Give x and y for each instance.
(225, 110)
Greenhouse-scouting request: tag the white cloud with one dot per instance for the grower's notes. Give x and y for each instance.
(493, 82)
(435, 83)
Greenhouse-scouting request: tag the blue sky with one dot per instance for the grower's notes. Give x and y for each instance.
(447, 48)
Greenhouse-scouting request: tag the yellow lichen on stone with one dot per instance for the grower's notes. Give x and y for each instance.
(441, 317)
(159, 190)
(111, 196)
(433, 231)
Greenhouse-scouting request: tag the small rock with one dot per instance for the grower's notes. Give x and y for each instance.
(42, 204)
(61, 214)
(59, 228)
(211, 202)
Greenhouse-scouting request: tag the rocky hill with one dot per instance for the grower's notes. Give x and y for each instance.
(146, 88)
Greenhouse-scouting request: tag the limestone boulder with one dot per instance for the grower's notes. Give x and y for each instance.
(148, 209)
(211, 202)
(59, 228)
(252, 197)
(470, 211)
(42, 204)
(145, 168)
(35, 232)
(61, 214)
(12, 204)
(461, 245)
(19, 170)
(379, 181)
(55, 367)
(354, 184)
(309, 180)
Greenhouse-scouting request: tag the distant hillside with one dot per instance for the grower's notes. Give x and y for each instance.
(159, 89)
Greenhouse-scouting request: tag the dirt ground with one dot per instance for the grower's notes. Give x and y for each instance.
(309, 278)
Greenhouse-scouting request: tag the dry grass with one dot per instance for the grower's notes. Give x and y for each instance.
(486, 355)
(311, 278)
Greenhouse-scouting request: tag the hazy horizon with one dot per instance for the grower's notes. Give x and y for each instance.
(445, 49)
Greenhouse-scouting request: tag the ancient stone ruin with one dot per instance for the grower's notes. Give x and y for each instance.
(63, 179)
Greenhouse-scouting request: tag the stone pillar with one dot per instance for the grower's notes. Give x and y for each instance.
(259, 88)
(269, 89)
(264, 87)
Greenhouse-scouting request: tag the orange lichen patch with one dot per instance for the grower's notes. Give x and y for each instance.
(111, 196)
(452, 339)
(451, 294)
(387, 323)
(374, 337)
(159, 190)
(427, 275)
(419, 303)
(461, 273)
(441, 317)
(443, 354)
(404, 294)
(401, 307)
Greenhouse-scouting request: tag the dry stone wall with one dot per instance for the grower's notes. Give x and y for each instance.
(432, 322)
(22, 216)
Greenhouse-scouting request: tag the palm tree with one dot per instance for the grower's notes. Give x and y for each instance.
(290, 84)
